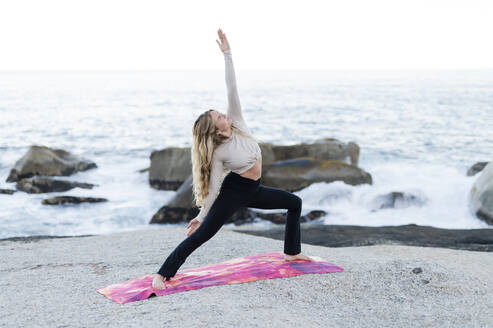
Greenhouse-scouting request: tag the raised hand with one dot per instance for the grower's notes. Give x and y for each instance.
(224, 44)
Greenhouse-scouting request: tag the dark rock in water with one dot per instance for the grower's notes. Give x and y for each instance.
(298, 173)
(481, 195)
(33, 239)
(478, 167)
(180, 208)
(411, 234)
(41, 160)
(323, 148)
(144, 170)
(417, 270)
(313, 215)
(167, 214)
(37, 185)
(485, 216)
(7, 191)
(184, 196)
(71, 199)
(397, 199)
(169, 168)
(172, 165)
(280, 218)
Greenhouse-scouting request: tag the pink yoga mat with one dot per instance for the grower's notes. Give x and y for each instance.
(234, 271)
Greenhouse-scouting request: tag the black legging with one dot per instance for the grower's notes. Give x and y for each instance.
(237, 191)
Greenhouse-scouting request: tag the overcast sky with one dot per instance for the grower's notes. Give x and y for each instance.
(263, 34)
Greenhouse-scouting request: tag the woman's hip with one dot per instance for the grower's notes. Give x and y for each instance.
(234, 181)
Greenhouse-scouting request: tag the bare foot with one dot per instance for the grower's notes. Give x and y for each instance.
(299, 256)
(158, 282)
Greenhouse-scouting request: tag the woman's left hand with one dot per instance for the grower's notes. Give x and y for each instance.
(192, 226)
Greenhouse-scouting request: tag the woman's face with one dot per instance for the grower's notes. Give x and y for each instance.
(221, 121)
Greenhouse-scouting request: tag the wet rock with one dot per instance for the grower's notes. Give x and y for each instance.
(41, 160)
(324, 148)
(168, 214)
(280, 218)
(411, 234)
(180, 208)
(478, 167)
(397, 199)
(59, 200)
(481, 195)
(35, 239)
(417, 270)
(183, 196)
(37, 185)
(296, 174)
(171, 166)
(147, 169)
(7, 191)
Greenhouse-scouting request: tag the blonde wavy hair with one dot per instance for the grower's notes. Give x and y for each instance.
(205, 141)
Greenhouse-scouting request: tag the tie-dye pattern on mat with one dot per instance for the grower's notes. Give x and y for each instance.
(234, 271)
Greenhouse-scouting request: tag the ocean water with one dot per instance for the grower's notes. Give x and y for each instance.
(418, 132)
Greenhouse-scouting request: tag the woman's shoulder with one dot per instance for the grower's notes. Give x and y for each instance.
(218, 153)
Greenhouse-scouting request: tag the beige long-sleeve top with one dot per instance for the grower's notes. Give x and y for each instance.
(237, 153)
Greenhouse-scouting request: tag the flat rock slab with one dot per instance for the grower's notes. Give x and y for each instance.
(52, 282)
(411, 234)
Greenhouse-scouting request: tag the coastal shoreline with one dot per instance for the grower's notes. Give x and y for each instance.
(352, 236)
(381, 285)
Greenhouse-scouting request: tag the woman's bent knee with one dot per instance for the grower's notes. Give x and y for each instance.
(297, 202)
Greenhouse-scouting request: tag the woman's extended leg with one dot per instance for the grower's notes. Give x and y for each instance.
(275, 198)
(226, 203)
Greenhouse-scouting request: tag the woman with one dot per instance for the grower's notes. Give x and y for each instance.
(224, 142)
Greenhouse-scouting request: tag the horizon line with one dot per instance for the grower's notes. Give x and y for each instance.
(250, 69)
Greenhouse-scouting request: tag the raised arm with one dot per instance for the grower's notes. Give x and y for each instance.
(234, 106)
(214, 185)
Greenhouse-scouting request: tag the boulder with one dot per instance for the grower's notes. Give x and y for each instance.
(171, 166)
(324, 148)
(397, 199)
(180, 209)
(298, 173)
(280, 217)
(41, 160)
(167, 214)
(481, 195)
(7, 191)
(37, 185)
(59, 200)
(476, 168)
